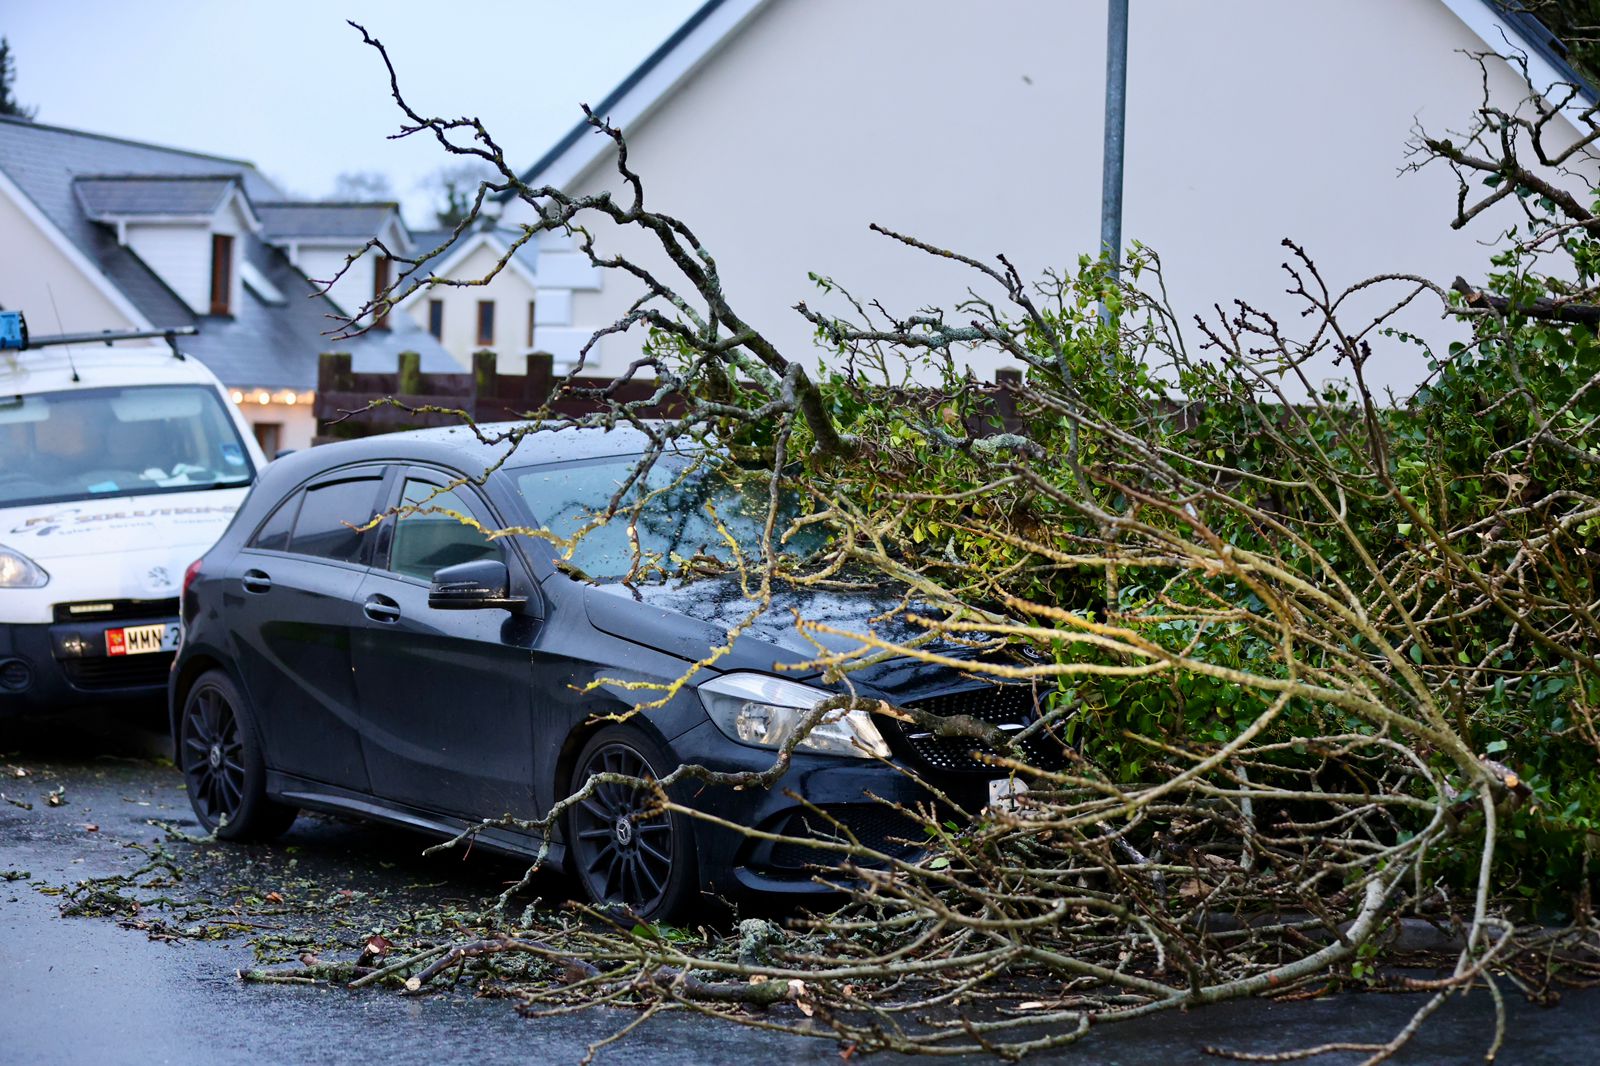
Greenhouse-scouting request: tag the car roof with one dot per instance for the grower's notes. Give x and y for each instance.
(460, 448)
(91, 366)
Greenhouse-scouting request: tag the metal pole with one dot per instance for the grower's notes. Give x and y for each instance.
(1116, 112)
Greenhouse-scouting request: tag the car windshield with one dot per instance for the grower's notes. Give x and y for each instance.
(132, 441)
(687, 497)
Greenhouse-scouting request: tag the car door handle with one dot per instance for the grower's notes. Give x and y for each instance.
(381, 609)
(257, 581)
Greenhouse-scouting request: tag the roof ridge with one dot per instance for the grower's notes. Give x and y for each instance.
(329, 203)
(611, 99)
(30, 124)
(233, 177)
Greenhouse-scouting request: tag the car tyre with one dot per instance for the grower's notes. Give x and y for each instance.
(219, 752)
(619, 849)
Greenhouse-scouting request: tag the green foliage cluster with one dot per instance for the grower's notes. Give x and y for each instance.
(1486, 472)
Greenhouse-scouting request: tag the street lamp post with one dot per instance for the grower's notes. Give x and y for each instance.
(1116, 111)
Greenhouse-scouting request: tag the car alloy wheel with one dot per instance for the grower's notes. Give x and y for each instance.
(623, 849)
(219, 752)
(213, 756)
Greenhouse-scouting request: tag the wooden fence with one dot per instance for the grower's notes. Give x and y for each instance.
(489, 396)
(486, 395)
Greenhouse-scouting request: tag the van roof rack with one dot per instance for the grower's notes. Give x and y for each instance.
(14, 335)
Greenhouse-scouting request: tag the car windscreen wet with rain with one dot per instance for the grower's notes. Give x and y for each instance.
(699, 511)
(132, 441)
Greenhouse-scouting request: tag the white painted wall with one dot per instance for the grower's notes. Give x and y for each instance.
(34, 271)
(511, 294)
(180, 255)
(297, 423)
(320, 263)
(978, 128)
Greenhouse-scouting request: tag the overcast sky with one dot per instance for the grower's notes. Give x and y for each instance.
(286, 84)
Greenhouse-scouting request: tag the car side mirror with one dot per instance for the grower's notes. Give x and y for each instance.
(474, 586)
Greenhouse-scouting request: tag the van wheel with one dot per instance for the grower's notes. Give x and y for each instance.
(620, 848)
(219, 752)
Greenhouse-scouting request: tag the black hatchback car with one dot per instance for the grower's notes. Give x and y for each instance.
(423, 673)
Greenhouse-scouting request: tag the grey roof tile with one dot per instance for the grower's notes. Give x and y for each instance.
(123, 195)
(356, 221)
(274, 346)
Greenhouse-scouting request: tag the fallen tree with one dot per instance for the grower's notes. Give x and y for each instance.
(1311, 664)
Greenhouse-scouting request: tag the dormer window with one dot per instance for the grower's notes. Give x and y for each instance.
(221, 274)
(188, 229)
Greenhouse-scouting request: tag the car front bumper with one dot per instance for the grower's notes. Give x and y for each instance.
(819, 797)
(63, 665)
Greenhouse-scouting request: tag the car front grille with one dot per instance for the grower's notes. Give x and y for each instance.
(120, 671)
(115, 610)
(1011, 707)
(874, 825)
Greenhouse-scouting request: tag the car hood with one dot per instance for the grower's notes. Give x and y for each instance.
(688, 619)
(120, 524)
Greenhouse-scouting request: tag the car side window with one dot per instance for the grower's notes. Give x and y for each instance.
(329, 521)
(429, 537)
(273, 536)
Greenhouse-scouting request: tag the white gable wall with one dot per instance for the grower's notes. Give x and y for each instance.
(38, 278)
(978, 128)
(511, 294)
(180, 253)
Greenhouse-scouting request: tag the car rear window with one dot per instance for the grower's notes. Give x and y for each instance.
(328, 525)
(273, 536)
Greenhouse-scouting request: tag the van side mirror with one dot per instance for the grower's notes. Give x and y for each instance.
(474, 586)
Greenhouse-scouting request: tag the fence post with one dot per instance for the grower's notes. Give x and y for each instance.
(536, 384)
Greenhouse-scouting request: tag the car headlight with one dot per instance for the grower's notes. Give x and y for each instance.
(17, 571)
(765, 711)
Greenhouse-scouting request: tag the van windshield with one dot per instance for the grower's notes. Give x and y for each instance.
(695, 505)
(131, 441)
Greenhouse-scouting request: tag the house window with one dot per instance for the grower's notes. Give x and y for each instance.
(221, 274)
(530, 323)
(485, 322)
(270, 436)
(380, 289)
(436, 319)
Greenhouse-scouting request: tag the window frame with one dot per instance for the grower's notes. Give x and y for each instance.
(486, 337)
(436, 319)
(533, 306)
(222, 253)
(477, 505)
(382, 473)
(382, 269)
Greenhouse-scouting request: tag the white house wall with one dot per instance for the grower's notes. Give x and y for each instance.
(180, 255)
(352, 291)
(511, 294)
(978, 128)
(36, 274)
(297, 425)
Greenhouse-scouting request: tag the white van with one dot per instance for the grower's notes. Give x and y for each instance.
(118, 468)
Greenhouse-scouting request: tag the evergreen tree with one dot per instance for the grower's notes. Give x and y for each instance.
(8, 74)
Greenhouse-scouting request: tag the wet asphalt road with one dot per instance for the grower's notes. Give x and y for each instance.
(84, 989)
